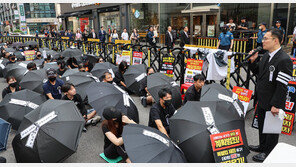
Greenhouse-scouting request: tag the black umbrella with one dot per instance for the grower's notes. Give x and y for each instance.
(15, 105)
(188, 127)
(148, 145)
(9, 50)
(34, 80)
(4, 133)
(38, 62)
(91, 58)
(102, 95)
(72, 52)
(31, 43)
(81, 82)
(75, 71)
(133, 77)
(17, 44)
(2, 66)
(157, 81)
(217, 92)
(52, 140)
(53, 65)
(100, 68)
(18, 70)
(20, 55)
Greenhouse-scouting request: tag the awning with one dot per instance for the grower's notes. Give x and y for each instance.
(200, 9)
(79, 13)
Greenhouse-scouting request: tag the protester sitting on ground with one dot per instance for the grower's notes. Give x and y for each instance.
(62, 68)
(87, 65)
(12, 59)
(161, 111)
(72, 63)
(12, 86)
(89, 115)
(6, 55)
(107, 77)
(100, 60)
(112, 128)
(52, 87)
(31, 66)
(194, 91)
(146, 98)
(81, 67)
(47, 60)
(38, 55)
(119, 80)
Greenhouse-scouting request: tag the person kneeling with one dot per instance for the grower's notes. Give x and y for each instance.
(112, 128)
(70, 94)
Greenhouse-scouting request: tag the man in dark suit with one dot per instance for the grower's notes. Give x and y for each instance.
(102, 35)
(273, 71)
(93, 34)
(169, 38)
(184, 37)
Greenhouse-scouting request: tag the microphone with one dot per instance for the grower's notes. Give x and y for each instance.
(258, 49)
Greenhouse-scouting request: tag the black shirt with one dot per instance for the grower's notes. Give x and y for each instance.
(245, 24)
(107, 142)
(89, 66)
(118, 77)
(192, 94)
(157, 112)
(60, 73)
(7, 90)
(143, 85)
(78, 102)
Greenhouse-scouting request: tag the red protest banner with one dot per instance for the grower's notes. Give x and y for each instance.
(243, 94)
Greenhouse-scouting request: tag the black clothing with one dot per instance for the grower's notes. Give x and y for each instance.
(78, 102)
(245, 24)
(143, 85)
(169, 39)
(111, 150)
(118, 77)
(271, 91)
(7, 90)
(61, 73)
(159, 113)
(10, 62)
(184, 39)
(89, 67)
(226, 47)
(192, 94)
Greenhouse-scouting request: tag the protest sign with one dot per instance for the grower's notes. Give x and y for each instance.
(193, 67)
(167, 65)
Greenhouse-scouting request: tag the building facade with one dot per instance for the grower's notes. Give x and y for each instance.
(9, 16)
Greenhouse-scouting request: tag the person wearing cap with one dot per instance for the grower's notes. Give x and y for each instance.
(89, 115)
(112, 128)
(244, 24)
(225, 40)
(278, 26)
(194, 91)
(52, 87)
(12, 59)
(161, 111)
(262, 31)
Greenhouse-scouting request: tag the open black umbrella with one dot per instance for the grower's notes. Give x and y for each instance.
(102, 95)
(20, 55)
(157, 81)
(2, 66)
(31, 43)
(81, 82)
(217, 92)
(17, 44)
(72, 52)
(34, 80)
(148, 145)
(188, 127)
(18, 70)
(15, 105)
(38, 62)
(49, 133)
(10, 50)
(100, 68)
(91, 58)
(4, 133)
(133, 77)
(53, 65)
(74, 71)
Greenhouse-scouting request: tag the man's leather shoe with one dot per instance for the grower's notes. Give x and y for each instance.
(255, 148)
(259, 157)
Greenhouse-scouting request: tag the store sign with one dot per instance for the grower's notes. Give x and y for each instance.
(228, 147)
(84, 22)
(93, 40)
(137, 14)
(16, 14)
(77, 5)
(22, 17)
(41, 20)
(123, 41)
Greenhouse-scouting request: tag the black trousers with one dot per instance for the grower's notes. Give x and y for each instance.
(113, 151)
(266, 141)
(226, 47)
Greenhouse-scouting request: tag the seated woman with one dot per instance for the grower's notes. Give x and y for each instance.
(72, 63)
(146, 98)
(70, 94)
(112, 128)
(12, 86)
(118, 79)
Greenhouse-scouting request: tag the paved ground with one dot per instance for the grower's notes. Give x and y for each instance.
(91, 142)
